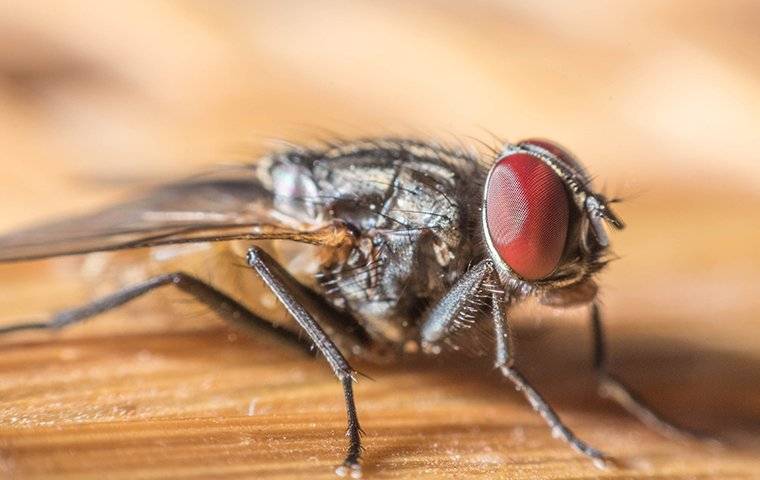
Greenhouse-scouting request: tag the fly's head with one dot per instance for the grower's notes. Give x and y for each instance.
(543, 224)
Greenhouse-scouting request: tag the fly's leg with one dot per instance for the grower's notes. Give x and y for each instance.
(443, 318)
(457, 305)
(611, 387)
(229, 308)
(287, 291)
(282, 285)
(505, 361)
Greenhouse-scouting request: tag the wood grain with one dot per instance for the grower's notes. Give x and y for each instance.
(152, 392)
(659, 99)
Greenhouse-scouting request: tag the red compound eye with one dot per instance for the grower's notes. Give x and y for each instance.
(559, 152)
(550, 147)
(527, 215)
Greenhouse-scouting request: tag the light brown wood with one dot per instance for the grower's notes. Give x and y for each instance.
(658, 99)
(157, 393)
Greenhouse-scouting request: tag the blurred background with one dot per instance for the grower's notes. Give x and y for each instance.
(660, 99)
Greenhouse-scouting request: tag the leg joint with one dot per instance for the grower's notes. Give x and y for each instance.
(179, 277)
(253, 255)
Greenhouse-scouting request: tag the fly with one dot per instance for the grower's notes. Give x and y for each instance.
(414, 241)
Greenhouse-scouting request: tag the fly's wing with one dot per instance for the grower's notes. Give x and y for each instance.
(228, 205)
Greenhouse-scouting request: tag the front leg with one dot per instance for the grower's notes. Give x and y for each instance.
(456, 307)
(443, 318)
(504, 362)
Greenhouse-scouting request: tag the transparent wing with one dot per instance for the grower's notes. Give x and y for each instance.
(227, 205)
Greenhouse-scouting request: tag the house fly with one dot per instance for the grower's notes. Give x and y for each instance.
(411, 243)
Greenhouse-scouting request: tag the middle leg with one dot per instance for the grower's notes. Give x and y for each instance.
(286, 289)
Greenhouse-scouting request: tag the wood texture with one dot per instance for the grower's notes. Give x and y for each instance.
(659, 99)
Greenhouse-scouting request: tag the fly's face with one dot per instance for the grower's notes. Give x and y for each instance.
(543, 224)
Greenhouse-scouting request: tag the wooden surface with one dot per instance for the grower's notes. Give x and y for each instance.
(660, 99)
(167, 392)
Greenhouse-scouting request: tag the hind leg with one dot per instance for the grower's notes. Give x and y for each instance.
(229, 308)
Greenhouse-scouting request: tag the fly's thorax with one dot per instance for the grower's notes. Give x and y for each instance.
(408, 205)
